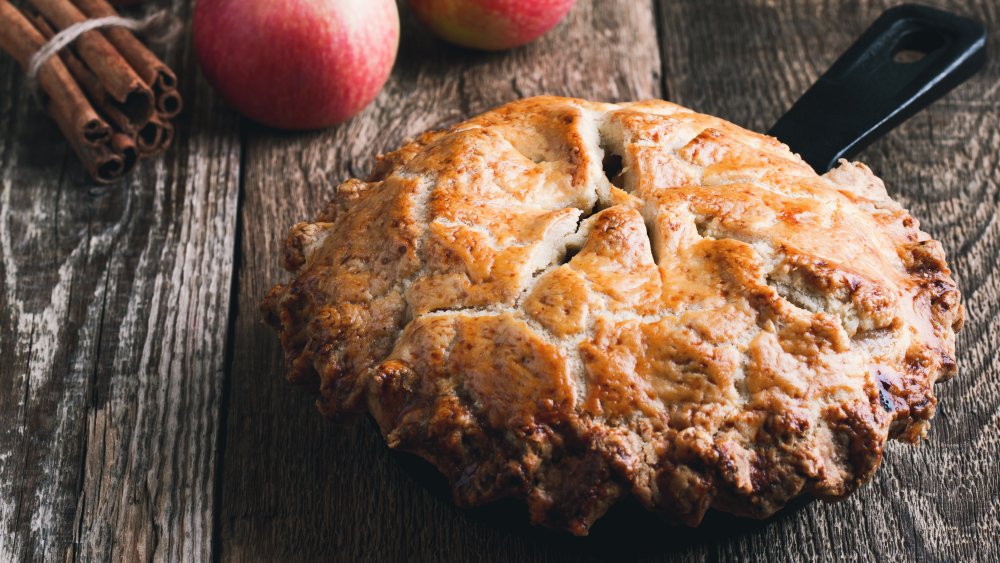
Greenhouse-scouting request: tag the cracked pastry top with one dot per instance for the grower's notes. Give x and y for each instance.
(570, 302)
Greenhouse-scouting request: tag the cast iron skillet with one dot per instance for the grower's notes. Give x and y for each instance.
(877, 83)
(865, 93)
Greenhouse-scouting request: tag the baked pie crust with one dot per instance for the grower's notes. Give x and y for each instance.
(571, 302)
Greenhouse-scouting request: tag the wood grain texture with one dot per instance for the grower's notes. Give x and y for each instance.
(116, 393)
(114, 312)
(297, 487)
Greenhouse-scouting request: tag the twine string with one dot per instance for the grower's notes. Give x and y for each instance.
(165, 25)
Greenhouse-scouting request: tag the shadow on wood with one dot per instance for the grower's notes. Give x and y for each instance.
(627, 530)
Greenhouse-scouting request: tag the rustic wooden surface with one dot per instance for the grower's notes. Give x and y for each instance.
(142, 410)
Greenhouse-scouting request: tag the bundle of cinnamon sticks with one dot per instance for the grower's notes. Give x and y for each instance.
(112, 98)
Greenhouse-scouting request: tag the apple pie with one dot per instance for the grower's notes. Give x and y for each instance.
(571, 303)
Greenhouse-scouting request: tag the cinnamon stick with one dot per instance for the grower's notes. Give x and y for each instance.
(89, 83)
(94, 68)
(67, 104)
(152, 70)
(121, 82)
(169, 103)
(155, 137)
(151, 138)
(124, 146)
(105, 162)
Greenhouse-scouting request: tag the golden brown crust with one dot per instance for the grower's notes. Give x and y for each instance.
(703, 322)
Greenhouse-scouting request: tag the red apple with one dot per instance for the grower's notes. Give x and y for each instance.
(297, 64)
(492, 25)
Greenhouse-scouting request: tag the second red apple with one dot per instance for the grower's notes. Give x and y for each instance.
(490, 24)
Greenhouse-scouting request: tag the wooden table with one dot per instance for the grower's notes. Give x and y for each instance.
(142, 410)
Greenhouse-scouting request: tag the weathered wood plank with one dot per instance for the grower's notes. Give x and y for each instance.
(114, 306)
(748, 62)
(295, 486)
(113, 317)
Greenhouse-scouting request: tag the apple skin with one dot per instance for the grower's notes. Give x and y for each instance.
(491, 25)
(297, 64)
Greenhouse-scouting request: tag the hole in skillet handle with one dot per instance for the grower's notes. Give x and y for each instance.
(916, 45)
(911, 56)
(907, 56)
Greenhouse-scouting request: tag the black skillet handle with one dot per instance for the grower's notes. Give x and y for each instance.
(872, 87)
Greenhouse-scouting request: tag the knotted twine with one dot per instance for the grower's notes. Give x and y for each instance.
(166, 25)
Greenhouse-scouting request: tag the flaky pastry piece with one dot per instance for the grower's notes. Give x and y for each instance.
(571, 302)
